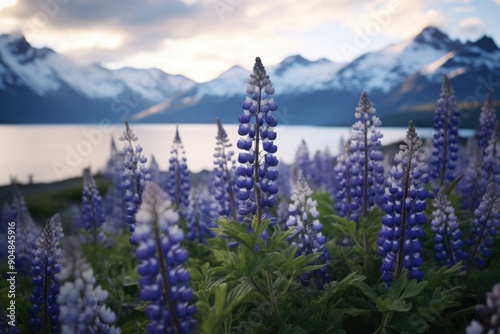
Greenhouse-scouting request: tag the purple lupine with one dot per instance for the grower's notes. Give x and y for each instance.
(491, 159)
(307, 236)
(367, 171)
(223, 186)
(163, 278)
(487, 123)
(475, 180)
(82, 303)
(445, 141)
(27, 232)
(134, 175)
(485, 226)
(92, 209)
(44, 312)
(323, 175)
(302, 163)
(178, 184)
(257, 172)
(490, 314)
(285, 179)
(344, 188)
(201, 217)
(404, 204)
(448, 244)
(154, 171)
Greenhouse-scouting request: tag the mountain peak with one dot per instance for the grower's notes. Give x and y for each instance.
(436, 38)
(485, 43)
(19, 46)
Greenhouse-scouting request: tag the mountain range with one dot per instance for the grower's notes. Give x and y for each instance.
(40, 86)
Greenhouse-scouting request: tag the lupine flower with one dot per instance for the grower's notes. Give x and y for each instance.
(490, 314)
(92, 208)
(257, 172)
(163, 278)
(445, 141)
(284, 181)
(44, 312)
(367, 172)
(26, 232)
(201, 217)
(134, 175)
(302, 163)
(475, 180)
(178, 183)
(491, 159)
(81, 302)
(322, 176)
(223, 187)
(485, 226)
(307, 236)
(344, 188)
(404, 204)
(448, 244)
(487, 122)
(154, 171)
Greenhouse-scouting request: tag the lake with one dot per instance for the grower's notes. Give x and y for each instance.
(56, 152)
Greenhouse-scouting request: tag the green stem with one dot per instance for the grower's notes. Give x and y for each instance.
(274, 305)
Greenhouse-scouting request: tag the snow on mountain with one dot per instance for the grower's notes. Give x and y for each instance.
(44, 72)
(294, 73)
(387, 68)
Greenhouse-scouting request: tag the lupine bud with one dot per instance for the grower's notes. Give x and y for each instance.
(404, 204)
(178, 184)
(307, 235)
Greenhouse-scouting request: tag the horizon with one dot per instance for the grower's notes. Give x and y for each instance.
(201, 39)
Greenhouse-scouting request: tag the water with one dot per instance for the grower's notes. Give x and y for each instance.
(55, 152)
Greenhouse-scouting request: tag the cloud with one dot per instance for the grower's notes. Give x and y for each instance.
(464, 9)
(471, 26)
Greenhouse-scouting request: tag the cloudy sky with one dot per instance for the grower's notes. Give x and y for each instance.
(202, 38)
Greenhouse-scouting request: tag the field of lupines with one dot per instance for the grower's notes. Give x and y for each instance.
(345, 245)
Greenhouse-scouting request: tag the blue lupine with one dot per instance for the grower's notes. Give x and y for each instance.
(487, 122)
(307, 236)
(81, 303)
(322, 173)
(163, 278)
(201, 217)
(27, 232)
(154, 171)
(404, 204)
(257, 172)
(178, 184)
(445, 141)
(473, 185)
(134, 175)
(302, 163)
(284, 182)
(344, 188)
(223, 187)
(92, 209)
(485, 226)
(491, 159)
(490, 314)
(115, 205)
(448, 244)
(367, 171)
(44, 312)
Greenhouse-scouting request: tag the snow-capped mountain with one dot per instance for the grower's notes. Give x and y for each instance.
(40, 85)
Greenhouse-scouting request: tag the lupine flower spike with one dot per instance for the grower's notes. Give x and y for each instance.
(344, 188)
(445, 141)
(178, 184)
(134, 175)
(487, 122)
(404, 204)
(163, 278)
(44, 312)
(257, 172)
(490, 314)
(92, 208)
(223, 183)
(448, 244)
(367, 172)
(81, 303)
(485, 226)
(307, 236)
